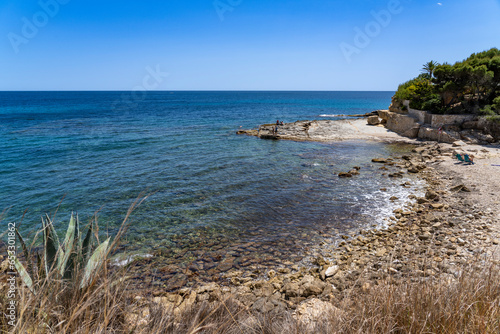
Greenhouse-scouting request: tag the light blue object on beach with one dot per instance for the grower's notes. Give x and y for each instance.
(468, 159)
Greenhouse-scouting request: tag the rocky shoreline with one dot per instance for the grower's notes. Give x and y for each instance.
(434, 237)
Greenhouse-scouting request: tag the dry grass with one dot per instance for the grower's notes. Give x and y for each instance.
(468, 304)
(58, 307)
(471, 304)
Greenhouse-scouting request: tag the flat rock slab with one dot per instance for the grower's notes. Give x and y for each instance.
(326, 130)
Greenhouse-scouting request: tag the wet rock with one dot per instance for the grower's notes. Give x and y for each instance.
(379, 160)
(343, 174)
(225, 266)
(319, 261)
(354, 172)
(247, 132)
(460, 187)
(431, 195)
(413, 170)
(421, 200)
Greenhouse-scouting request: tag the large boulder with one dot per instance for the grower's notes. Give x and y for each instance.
(315, 311)
(373, 120)
(490, 127)
(396, 106)
(429, 133)
(476, 137)
(384, 116)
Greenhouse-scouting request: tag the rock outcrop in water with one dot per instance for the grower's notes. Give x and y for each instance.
(324, 130)
(387, 125)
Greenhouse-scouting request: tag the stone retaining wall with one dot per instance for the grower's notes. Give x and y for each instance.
(440, 120)
(403, 124)
(419, 114)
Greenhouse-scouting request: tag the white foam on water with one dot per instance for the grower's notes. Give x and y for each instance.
(383, 207)
(122, 260)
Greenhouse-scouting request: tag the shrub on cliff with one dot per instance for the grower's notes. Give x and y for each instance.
(467, 86)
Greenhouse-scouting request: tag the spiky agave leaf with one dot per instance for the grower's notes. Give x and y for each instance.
(87, 244)
(40, 266)
(26, 254)
(25, 277)
(51, 243)
(95, 262)
(68, 245)
(76, 249)
(70, 233)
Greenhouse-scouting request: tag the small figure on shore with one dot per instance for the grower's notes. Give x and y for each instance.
(281, 123)
(275, 130)
(277, 122)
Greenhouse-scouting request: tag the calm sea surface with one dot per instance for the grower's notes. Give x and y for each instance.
(217, 197)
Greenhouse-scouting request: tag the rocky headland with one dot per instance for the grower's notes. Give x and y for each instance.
(326, 130)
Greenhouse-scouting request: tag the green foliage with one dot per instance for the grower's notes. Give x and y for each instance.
(493, 118)
(413, 88)
(429, 68)
(487, 111)
(433, 104)
(63, 260)
(472, 84)
(496, 103)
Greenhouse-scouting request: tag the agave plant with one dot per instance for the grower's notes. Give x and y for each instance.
(63, 259)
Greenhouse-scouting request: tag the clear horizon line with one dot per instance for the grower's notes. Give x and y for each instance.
(198, 90)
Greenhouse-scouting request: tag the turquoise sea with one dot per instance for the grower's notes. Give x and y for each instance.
(216, 197)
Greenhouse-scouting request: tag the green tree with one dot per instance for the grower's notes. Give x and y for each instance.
(429, 68)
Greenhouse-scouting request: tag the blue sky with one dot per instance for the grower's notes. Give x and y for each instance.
(242, 45)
